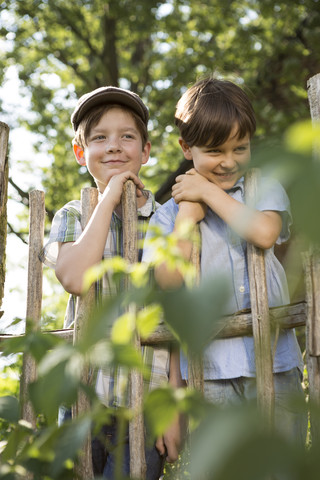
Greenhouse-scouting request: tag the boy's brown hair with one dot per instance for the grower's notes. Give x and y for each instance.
(208, 111)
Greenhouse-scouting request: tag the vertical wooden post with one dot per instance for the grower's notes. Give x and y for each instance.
(313, 86)
(83, 468)
(312, 278)
(312, 282)
(4, 137)
(195, 362)
(34, 295)
(136, 427)
(260, 316)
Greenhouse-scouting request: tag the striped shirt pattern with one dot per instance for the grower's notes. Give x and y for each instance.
(111, 384)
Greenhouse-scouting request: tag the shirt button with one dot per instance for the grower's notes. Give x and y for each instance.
(241, 289)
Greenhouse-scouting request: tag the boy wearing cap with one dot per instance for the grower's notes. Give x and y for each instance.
(111, 140)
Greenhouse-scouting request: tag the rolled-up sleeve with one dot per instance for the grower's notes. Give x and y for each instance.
(66, 227)
(272, 196)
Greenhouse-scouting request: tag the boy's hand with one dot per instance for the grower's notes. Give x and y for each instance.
(114, 188)
(189, 187)
(170, 443)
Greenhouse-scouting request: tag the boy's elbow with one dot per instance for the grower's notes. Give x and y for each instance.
(263, 245)
(69, 283)
(268, 231)
(267, 244)
(265, 241)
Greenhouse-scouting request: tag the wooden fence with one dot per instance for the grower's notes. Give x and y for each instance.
(257, 322)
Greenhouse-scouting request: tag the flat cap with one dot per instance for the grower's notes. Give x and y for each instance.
(105, 95)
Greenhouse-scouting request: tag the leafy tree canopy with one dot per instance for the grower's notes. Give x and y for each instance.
(156, 48)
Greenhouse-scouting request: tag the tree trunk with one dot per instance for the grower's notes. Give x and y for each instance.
(4, 135)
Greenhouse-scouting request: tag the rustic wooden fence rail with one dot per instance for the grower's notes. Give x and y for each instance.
(259, 321)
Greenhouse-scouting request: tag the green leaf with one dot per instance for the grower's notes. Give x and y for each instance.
(192, 314)
(17, 440)
(123, 328)
(139, 274)
(34, 342)
(9, 409)
(243, 449)
(127, 356)
(160, 407)
(57, 382)
(59, 445)
(148, 319)
(112, 266)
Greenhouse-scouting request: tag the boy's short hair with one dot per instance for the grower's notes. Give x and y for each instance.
(92, 106)
(207, 112)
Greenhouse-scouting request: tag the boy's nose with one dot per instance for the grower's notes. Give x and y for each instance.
(227, 161)
(113, 146)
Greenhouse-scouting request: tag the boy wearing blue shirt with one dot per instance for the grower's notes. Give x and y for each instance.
(216, 123)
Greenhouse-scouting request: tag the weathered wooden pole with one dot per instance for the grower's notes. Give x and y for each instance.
(195, 361)
(83, 468)
(4, 137)
(34, 296)
(260, 315)
(138, 466)
(312, 278)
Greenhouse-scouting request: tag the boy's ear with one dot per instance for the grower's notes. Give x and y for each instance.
(186, 149)
(79, 154)
(146, 153)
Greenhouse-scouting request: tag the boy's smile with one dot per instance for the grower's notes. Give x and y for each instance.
(114, 146)
(223, 165)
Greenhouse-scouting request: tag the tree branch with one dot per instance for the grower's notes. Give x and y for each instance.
(24, 195)
(20, 235)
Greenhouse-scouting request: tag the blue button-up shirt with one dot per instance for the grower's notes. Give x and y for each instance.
(222, 250)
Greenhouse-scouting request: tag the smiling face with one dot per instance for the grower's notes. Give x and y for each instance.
(114, 145)
(223, 165)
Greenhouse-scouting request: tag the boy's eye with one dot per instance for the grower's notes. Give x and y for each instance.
(99, 137)
(242, 148)
(213, 150)
(128, 135)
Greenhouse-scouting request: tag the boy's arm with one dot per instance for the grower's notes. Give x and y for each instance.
(193, 212)
(261, 228)
(74, 258)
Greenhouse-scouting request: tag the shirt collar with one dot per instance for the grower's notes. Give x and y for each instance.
(239, 185)
(149, 207)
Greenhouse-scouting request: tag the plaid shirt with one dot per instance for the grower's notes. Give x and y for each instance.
(111, 384)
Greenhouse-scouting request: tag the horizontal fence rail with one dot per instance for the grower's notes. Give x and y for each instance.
(238, 324)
